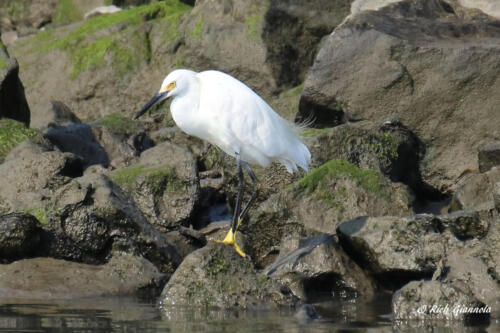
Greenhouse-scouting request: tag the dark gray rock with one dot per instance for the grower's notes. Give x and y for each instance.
(13, 102)
(164, 184)
(317, 266)
(19, 236)
(496, 196)
(489, 156)
(434, 300)
(415, 61)
(48, 278)
(93, 216)
(216, 276)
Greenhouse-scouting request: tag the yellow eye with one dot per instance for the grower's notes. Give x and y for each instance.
(169, 87)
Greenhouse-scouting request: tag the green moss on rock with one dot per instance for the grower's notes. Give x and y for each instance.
(67, 12)
(158, 179)
(13, 133)
(369, 179)
(39, 213)
(312, 132)
(3, 63)
(119, 124)
(126, 177)
(87, 45)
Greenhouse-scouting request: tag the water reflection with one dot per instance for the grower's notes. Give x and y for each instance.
(129, 314)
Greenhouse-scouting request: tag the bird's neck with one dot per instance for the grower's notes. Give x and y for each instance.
(184, 107)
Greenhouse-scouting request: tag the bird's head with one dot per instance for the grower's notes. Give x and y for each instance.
(174, 84)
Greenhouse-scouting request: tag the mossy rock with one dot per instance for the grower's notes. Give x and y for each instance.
(12, 133)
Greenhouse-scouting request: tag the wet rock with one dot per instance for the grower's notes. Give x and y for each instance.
(489, 156)
(407, 70)
(306, 313)
(475, 191)
(19, 236)
(334, 192)
(216, 276)
(434, 300)
(48, 278)
(94, 144)
(57, 114)
(164, 184)
(13, 103)
(317, 266)
(93, 216)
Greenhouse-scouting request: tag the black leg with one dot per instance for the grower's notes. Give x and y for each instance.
(255, 183)
(241, 184)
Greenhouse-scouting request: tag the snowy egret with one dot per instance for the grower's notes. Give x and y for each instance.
(220, 109)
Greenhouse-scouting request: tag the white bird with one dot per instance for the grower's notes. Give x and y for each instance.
(222, 110)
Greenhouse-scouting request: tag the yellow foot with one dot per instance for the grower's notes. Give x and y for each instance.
(230, 240)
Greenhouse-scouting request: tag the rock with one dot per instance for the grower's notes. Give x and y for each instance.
(464, 224)
(216, 276)
(13, 133)
(13, 103)
(332, 193)
(318, 266)
(292, 31)
(19, 236)
(360, 5)
(58, 114)
(471, 275)
(94, 144)
(489, 156)
(48, 278)
(496, 196)
(93, 216)
(475, 191)
(306, 313)
(489, 7)
(391, 148)
(415, 68)
(164, 184)
(434, 300)
(397, 249)
(30, 179)
(105, 10)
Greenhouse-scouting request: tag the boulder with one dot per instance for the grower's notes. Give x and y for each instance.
(434, 300)
(417, 62)
(19, 236)
(30, 177)
(489, 156)
(13, 103)
(471, 275)
(164, 184)
(93, 216)
(398, 249)
(475, 191)
(316, 266)
(48, 278)
(332, 193)
(216, 276)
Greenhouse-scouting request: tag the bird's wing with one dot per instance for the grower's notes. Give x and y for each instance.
(240, 113)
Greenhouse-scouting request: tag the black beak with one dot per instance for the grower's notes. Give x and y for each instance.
(156, 99)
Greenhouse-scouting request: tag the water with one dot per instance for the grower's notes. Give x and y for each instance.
(130, 315)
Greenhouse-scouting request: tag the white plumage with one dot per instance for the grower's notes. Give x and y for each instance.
(218, 108)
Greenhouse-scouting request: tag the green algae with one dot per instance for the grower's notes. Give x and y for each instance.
(12, 133)
(66, 12)
(118, 124)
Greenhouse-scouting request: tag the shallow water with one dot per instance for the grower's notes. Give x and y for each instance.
(129, 314)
